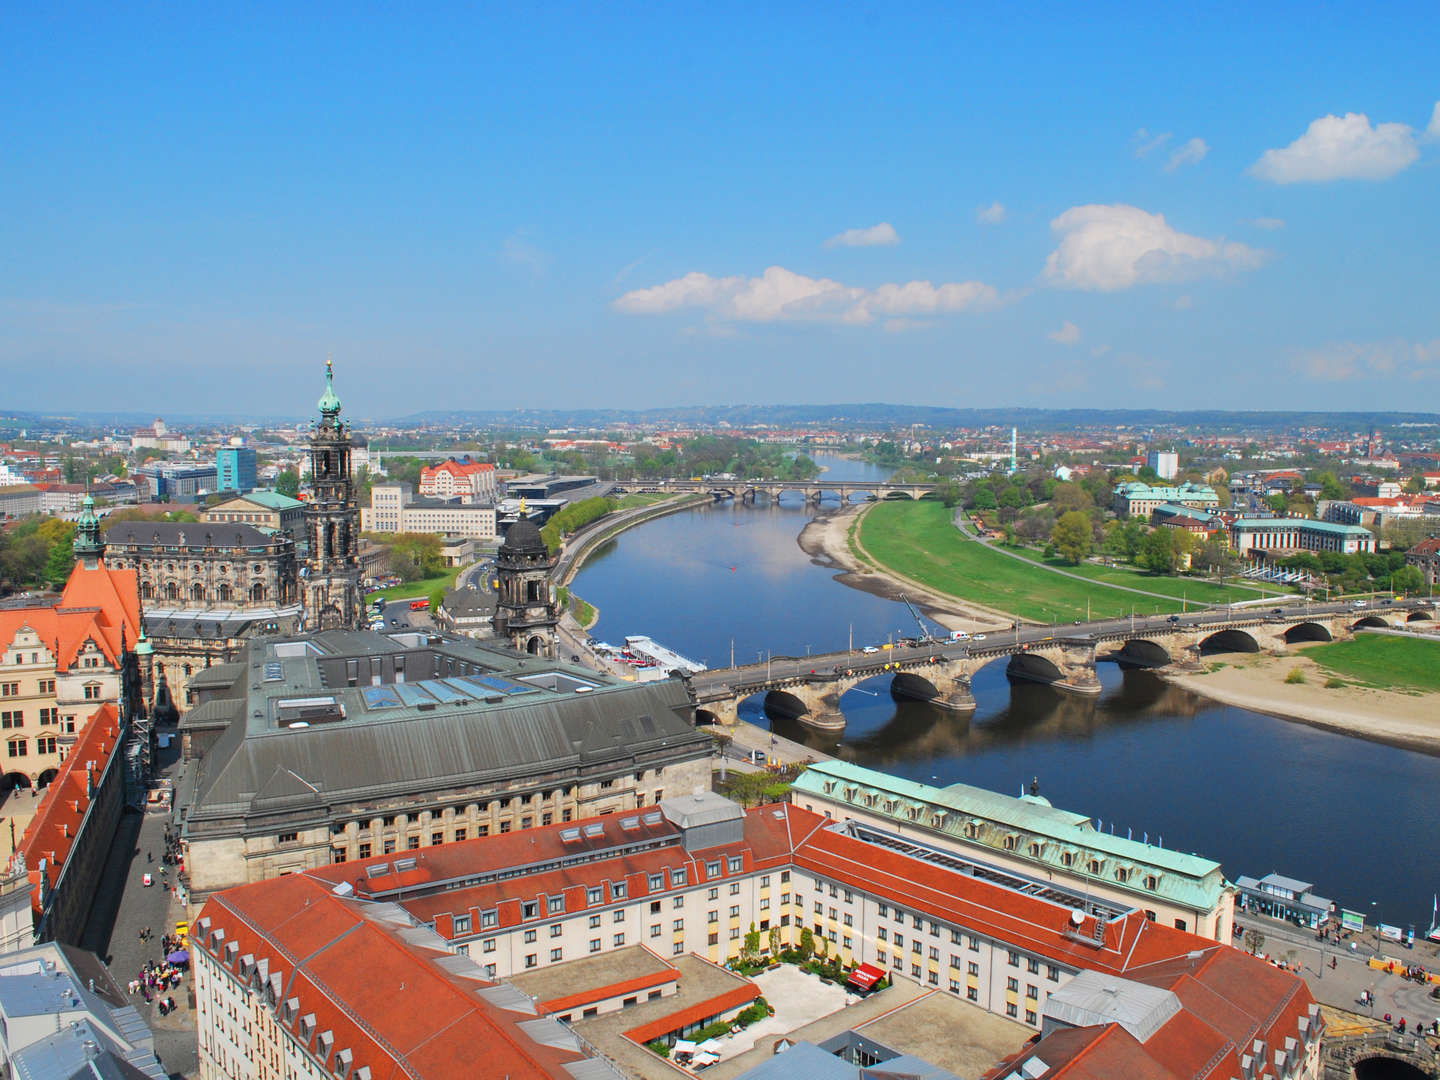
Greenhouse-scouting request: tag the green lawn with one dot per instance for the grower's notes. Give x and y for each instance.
(918, 540)
(642, 498)
(1181, 588)
(422, 587)
(1380, 660)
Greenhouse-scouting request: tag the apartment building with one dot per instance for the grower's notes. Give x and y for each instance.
(467, 481)
(395, 509)
(287, 969)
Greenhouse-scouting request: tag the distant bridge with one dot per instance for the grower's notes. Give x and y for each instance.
(814, 490)
(810, 688)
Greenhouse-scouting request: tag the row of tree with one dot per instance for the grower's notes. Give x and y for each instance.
(37, 553)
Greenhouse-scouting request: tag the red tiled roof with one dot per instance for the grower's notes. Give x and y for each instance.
(701, 1010)
(51, 832)
(382, 994)
(566, 1002)
(100, 605)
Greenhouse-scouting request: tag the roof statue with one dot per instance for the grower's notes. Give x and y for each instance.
(329, 404)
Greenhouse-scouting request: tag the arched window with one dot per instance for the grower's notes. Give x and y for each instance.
(1122, 874)
(1068, 859)
(222, 593)
(1009, 843)
(257, 592)
(146, 592)
(197, 592)
(172, 591)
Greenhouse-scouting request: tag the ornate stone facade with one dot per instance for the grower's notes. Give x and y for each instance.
(526, 613)
(204, 565)
(332, 518)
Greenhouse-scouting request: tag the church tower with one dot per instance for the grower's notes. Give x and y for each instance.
(89, 544)
(525, 609)
(332, 570)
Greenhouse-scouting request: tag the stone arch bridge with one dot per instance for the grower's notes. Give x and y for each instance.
(810, 688)
(751, 491)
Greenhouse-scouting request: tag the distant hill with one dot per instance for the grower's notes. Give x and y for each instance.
(883, 416)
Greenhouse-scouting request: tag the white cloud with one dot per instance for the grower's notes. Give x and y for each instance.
(1193, 151)
(1105, 248)
(1147, 143)
(1346, 360)
(882, 235)
(1434, 129)
(1269, 224)
(1068, 334)
(1340, 148)
(994, 214)
(783, 295)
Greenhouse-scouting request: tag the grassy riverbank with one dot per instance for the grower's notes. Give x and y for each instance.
(1195, 590)
(918, 541)
(1382, 661)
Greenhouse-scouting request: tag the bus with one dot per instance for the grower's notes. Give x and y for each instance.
(420, 605)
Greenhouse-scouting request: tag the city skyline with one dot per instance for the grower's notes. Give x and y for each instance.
(665, 208)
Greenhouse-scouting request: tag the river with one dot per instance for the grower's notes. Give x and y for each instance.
(1253, 791)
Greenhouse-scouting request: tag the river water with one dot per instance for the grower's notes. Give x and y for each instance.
(1257, 793)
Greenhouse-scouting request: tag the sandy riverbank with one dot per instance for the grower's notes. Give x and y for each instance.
(1411, 721)
(826, 540)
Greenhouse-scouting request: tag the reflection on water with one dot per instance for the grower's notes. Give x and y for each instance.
(1257, 793)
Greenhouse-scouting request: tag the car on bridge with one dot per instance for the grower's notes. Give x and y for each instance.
(868, 649)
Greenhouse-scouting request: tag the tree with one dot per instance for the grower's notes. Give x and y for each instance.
(807, 944)
(1408, 579)
(1072, 536)
(774, 941)
(1254, 941)
(1070, 496)
(288, 483)
(984, 498)
(1331, 488)
(414, 556)
(1162, 550)
(1279, 502)
(750, 951)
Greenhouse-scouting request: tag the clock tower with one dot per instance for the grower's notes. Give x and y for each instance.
(331, 585)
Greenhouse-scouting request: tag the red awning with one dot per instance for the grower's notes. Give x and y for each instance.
(865, 976)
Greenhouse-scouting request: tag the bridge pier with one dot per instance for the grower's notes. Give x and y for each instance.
(945, 691)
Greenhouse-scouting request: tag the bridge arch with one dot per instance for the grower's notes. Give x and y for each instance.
(897, 496)
(1375, 622)
(1142, 652)
(1308, 631)
(784, 704)
(1229, 641)
(1383, 1066)
(1420, 615)
(1033, 667)
(913, 687)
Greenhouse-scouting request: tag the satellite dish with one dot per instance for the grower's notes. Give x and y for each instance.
(1077, 916)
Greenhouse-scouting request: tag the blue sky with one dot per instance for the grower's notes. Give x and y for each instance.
(669, 204)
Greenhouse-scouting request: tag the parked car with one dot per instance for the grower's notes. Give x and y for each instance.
(979, 637)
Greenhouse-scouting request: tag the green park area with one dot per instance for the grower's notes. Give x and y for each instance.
(642, 498)
(425, 586)
(919, 541)
(1383, 661)
(1181, 588)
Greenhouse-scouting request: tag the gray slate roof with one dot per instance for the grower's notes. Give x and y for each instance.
(190, 533)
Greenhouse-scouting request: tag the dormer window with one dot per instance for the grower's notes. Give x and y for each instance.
(1010, 842)
(1151, 881)
(1122, 874)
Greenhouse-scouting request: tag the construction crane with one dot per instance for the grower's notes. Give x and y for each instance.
(925, 636)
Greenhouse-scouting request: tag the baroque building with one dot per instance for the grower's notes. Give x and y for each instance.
(526, 612)
(332, 568)
(60, 663)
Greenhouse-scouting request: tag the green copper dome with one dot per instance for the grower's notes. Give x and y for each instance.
(329, 403)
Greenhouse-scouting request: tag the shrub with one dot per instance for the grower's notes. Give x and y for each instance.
(1295, 677)
(882, 984)
(1334, 684)
(659, 1047)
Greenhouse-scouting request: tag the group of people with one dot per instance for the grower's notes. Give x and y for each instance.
(1402, 1024)
(159, 976)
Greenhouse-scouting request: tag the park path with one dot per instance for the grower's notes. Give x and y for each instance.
(958, 519)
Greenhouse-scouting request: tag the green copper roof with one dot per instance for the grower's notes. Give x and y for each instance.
(1190, 880)
(272, 500)
(329, 403)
